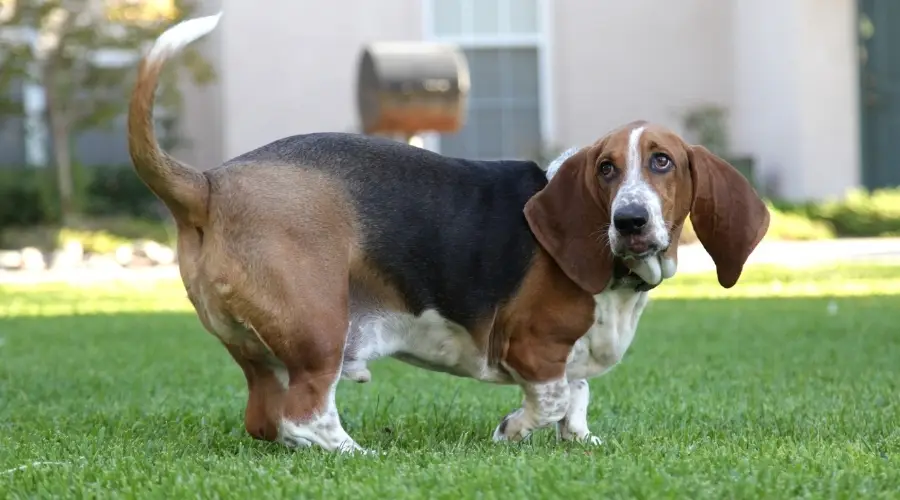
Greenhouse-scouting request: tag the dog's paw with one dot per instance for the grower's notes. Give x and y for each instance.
(587, 439)
(511, 428)
(579, 436)
(356, 371)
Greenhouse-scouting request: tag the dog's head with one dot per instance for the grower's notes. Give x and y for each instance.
(628, 195)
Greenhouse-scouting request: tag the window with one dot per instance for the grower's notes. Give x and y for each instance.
(504, 45)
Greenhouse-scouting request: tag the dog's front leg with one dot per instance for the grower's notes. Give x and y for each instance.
(574, 426)
(544, 403)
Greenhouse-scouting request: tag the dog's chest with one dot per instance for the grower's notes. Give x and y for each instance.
(616, 316)
(428, 341)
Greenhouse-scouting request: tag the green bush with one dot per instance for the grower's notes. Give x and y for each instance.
(116, 205)
(22, 197)
(28, 195)
(97, 235)
(861, 213)
(118, 190)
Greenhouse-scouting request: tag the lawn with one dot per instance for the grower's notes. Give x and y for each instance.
(787, 385)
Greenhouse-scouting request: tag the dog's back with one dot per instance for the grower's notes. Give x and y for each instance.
(437, 227)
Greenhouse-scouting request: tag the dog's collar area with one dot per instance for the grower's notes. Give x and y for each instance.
(624, 277)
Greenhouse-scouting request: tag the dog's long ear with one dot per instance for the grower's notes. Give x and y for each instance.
(729, 217)
(570, 222)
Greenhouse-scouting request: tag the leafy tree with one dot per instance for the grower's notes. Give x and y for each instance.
(83, 54)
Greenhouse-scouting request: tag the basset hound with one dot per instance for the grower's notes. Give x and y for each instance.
(315, 254)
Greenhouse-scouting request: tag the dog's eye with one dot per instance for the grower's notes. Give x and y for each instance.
(660, 162)
(607, 169)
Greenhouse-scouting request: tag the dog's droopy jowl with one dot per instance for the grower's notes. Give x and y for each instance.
(315, 254)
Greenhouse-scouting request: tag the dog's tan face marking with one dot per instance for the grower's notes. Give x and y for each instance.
(643, 174)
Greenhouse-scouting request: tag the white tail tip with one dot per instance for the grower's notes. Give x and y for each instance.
(180, 35)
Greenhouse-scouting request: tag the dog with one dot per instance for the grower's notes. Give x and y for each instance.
(315, 254)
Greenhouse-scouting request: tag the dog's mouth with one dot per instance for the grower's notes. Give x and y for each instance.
(637, 247)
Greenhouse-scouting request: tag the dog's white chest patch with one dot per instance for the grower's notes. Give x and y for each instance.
(428, 341)
(616, 317)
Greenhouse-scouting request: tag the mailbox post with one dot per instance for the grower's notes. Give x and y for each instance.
(406, 88)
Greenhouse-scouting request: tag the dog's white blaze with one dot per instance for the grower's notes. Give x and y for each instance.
(616, 316)
(633, 163)
(181, 35)
(428, 341)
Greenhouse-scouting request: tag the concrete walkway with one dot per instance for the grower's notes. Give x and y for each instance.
(691, 259)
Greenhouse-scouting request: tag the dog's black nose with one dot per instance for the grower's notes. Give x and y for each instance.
(630, 219)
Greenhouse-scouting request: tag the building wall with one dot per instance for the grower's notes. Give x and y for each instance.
(796, 99)
(614, 62)
(201, 122)
(291, 67)
(785, 69)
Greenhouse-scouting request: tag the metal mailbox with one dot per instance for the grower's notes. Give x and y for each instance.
(405, 88)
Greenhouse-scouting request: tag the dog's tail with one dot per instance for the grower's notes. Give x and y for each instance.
(183, 189)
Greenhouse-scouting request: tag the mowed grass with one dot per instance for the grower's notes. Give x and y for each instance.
(788, 385)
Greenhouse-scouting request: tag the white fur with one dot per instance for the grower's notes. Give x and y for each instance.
(432, 342)
(428, 341)
(635, 189)
(544, 403)
(324, 430)
(616, 316)
(181, 35)
(556, 163)
(669, 267)
(574, 426)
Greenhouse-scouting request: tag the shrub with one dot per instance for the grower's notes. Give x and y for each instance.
(96, 235)
(862, 213)
(118, 190)
(28, 196)
(22, 197)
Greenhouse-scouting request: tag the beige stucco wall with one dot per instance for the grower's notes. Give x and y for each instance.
(291, 66)
(796, 107)
(785, 69)
(201, 121)
(615, 61)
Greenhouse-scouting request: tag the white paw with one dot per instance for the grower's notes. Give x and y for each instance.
(510, 429)
(356, 371)
(355, 449)
(591, 440)
(583, 436)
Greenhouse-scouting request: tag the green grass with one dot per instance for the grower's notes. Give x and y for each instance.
(788, 385)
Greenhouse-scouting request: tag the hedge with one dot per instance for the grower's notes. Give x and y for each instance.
(116, 205)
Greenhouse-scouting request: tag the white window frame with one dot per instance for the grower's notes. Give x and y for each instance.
(542, 41)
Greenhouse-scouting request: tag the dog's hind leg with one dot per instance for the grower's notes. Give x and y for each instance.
(304, 327)
(266, 383)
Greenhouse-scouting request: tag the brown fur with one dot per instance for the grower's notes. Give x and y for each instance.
(571, 215)
(545, 319)
(570, 218)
